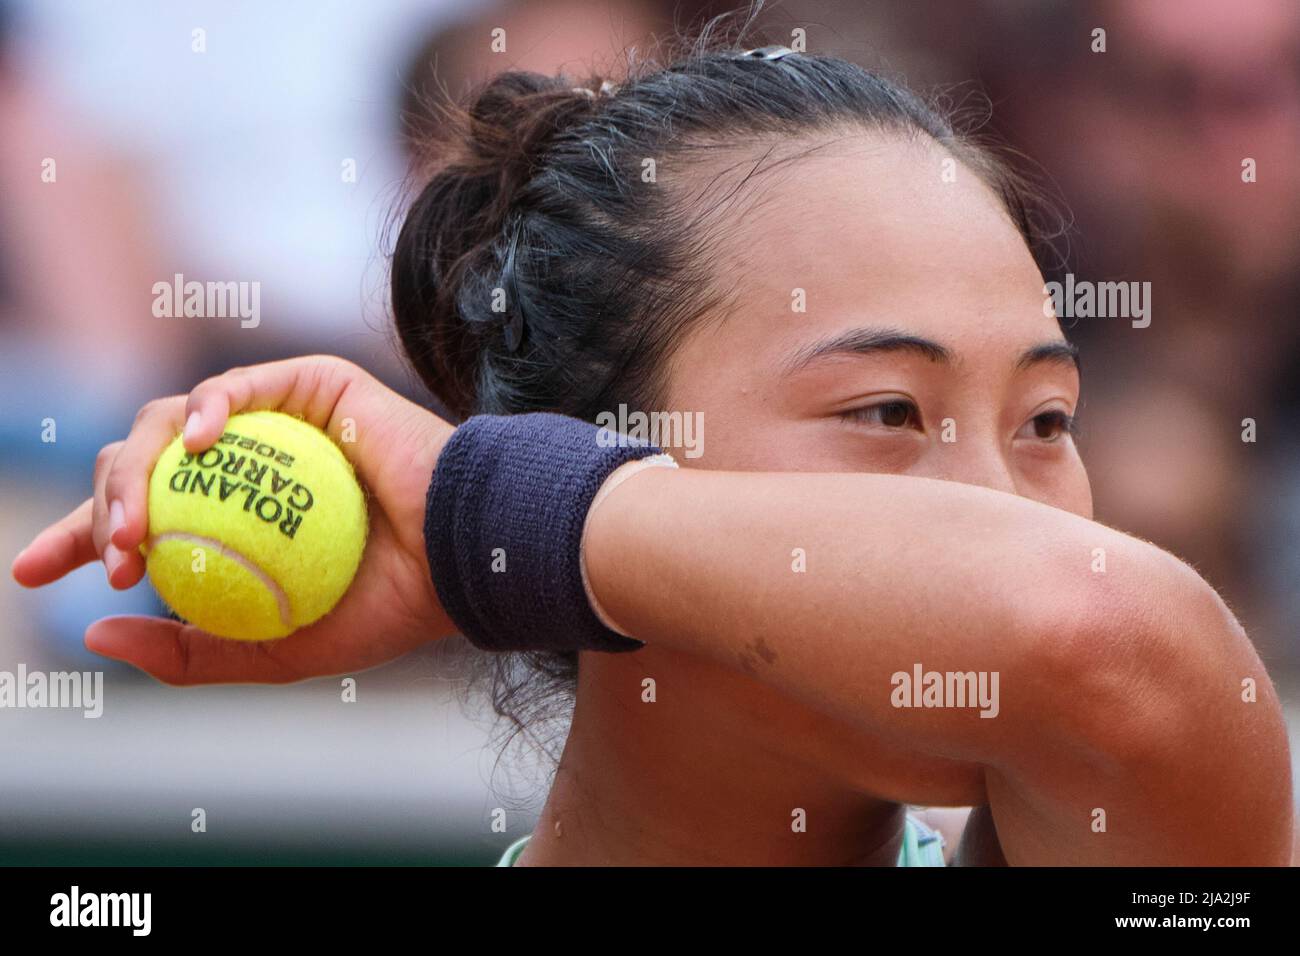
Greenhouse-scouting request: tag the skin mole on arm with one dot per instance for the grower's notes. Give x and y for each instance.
(762, 649)
(755, 651)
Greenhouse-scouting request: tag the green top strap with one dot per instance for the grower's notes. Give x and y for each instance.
(922, 846)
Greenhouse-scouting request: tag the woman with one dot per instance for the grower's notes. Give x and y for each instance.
(808, 260)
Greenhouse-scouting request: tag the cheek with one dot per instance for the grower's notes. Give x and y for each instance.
(748, 442)
(818, 445)
(741, 428)
(1064, 485)
(1082, 503)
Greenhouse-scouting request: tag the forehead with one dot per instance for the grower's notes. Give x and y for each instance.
(871, 229)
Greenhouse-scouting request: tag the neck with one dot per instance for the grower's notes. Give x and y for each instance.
(709, 773)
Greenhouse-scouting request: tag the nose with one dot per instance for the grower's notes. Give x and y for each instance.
(975, 459)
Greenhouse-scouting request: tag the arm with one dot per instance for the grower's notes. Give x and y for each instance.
(978, 843)
(1120, 691)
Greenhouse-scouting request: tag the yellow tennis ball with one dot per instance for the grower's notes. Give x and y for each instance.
(258, 535)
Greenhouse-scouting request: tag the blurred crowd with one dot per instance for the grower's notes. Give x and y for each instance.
(278, 152)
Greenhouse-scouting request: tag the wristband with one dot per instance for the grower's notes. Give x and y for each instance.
(503, 525)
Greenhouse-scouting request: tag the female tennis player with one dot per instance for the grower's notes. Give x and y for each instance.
(808, 260)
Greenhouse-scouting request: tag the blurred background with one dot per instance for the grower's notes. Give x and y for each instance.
(243, 141)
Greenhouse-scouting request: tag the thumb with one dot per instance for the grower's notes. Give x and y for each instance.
(182, 655)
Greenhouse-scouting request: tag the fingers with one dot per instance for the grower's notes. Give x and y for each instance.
(182, 655)
(62, 547)
(309, 386)
(115, 522)
(121, 519)
(106, 517)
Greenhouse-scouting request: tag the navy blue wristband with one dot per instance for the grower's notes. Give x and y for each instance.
(503, 529)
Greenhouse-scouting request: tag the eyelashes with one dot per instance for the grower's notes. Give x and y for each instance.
(897, 414)
(1051, 425)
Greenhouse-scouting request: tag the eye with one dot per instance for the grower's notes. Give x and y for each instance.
(1048, 426)
(895, 413)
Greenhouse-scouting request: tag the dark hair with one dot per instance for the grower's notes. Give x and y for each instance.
(537, 206)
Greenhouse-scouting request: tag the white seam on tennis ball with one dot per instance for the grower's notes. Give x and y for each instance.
(282, 599)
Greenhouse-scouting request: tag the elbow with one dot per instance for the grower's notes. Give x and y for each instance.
(1162, 692)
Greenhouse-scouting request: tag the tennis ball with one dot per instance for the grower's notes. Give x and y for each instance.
(258, 535)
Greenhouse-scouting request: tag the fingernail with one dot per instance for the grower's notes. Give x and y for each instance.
(191, 426)
(116, 518)
(112, 558)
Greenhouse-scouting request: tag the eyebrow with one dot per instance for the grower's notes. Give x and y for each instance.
(1059, 352)
(871, 341)
(868, 341)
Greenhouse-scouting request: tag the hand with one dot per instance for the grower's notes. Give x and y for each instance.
(391, 607)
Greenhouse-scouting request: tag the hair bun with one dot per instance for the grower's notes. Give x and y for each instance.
(483, 157)
(517, 116)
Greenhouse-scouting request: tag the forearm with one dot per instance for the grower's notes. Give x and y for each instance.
(904, 571)
(828, 585)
